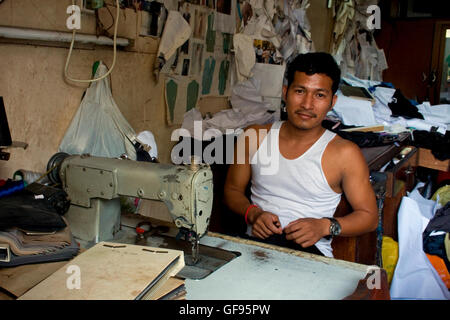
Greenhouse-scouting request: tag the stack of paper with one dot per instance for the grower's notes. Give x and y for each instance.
(114, 271)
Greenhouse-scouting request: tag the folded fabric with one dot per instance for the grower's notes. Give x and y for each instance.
(22, 243)
(10, 238)
(22, 210)
(14, 238)
(62, 254)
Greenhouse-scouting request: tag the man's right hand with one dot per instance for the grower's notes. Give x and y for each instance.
(264, 224)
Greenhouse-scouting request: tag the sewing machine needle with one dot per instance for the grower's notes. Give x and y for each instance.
(195, 250)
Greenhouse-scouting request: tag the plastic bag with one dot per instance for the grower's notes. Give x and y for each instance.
(99, 128)
(389, 253)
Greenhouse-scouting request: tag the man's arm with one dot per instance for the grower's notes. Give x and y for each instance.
(355, 184)
(239, 175)
(359, 193)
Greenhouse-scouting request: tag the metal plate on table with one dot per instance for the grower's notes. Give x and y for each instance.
(210, 260)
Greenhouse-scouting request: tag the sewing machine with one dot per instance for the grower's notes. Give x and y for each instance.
(94, 186)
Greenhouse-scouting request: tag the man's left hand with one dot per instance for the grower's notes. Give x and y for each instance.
(307, 231)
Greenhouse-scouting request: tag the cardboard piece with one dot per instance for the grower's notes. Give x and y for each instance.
(111, 271)
(18, 280)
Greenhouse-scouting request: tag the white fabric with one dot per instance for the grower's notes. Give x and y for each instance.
(249, 107)
(147, 138)
(296, 188)
(414, 276)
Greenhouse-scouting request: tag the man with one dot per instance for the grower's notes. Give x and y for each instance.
(293, 205)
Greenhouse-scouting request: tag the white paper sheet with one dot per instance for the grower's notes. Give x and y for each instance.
(418, 124)
(437, 113)
(189, 120)
(226, 22)
(381, 109)
(249, 107)
(271, 86)
(235, 119)
(245, 56)
(354, 112)
(247, 94)
(176, 31)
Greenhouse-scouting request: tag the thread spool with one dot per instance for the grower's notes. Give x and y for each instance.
(29, 176)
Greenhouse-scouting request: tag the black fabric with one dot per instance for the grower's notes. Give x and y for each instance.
(281, 241)
(23, 211)
(55, 197)
(438, 143)
(362, 139)
(141, 154)
(5, 134)
(440, 221)
(368, 139)
(435, 244)
(401, 106)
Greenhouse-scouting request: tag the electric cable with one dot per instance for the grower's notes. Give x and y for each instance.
(114, 56)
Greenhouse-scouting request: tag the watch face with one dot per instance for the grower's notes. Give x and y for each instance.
(335, 228)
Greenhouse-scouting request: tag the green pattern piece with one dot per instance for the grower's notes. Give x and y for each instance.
(208, 73)
(226, 42)
(94, 68)
(223, 76)
(192, 95)
(210, 34)
(171, 96)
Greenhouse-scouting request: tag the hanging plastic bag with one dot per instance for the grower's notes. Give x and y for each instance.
(99, 128)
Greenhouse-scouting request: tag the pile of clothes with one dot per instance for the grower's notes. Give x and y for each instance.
(32, 228)
(423, 267)
(427, 124)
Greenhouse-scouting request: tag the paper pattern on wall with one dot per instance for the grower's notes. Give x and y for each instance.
(201, 66)
(181, 95)
(270, 86)
(175, 33)
(208, 74)
(210, 34)
(225, 22)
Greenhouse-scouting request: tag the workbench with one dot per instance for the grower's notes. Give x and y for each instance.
(259, 272)
(266, 272)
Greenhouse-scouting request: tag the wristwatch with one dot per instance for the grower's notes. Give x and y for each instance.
(335, 227)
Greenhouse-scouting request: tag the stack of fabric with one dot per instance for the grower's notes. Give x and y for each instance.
(26, 247)
(33, 231)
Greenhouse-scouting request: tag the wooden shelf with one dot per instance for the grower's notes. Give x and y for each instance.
(426, 159)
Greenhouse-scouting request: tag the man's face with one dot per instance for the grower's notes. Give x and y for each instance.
(309, 99)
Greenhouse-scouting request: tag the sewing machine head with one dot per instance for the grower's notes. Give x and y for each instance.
(94, 185)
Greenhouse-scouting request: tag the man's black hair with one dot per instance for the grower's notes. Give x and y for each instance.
(315, 62)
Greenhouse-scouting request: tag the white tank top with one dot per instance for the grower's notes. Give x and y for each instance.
(294, 188)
